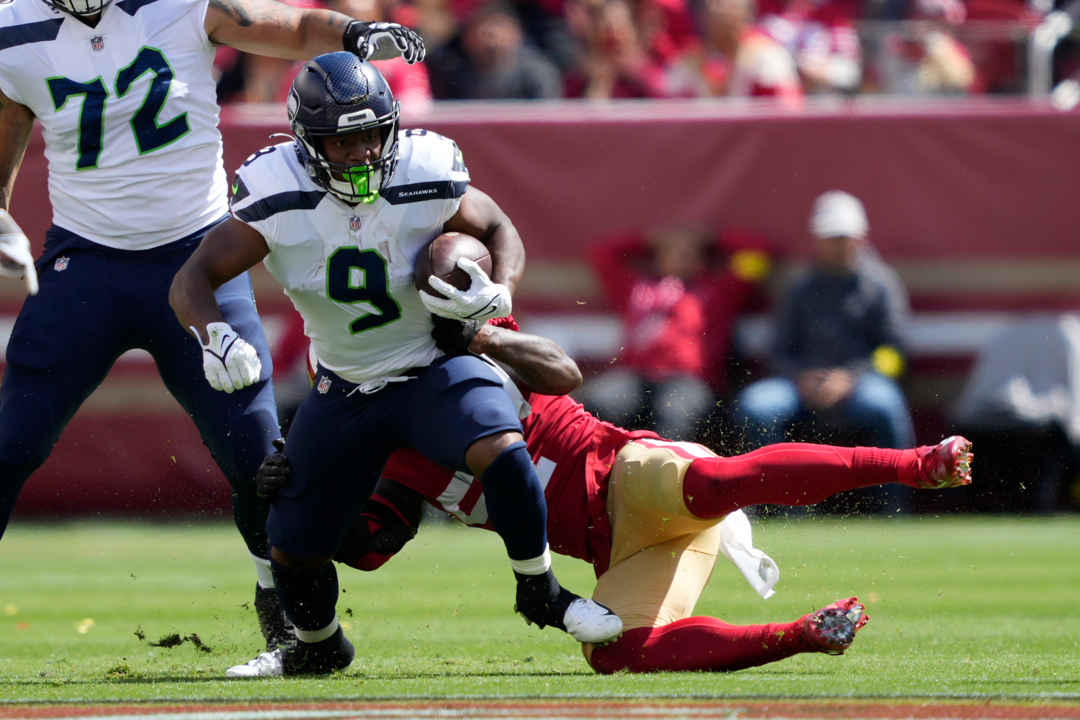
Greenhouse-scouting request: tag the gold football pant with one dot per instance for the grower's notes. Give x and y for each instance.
(662, 555)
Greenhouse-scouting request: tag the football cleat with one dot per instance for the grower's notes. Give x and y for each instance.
(541, 600)
(274, 623)
(300, 658)
(832, 629)
(268, 664)
(588, 621)
(945, 465)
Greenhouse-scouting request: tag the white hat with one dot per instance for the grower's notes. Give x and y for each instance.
(838, 214)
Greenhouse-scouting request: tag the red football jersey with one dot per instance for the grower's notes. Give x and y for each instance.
(573, 452)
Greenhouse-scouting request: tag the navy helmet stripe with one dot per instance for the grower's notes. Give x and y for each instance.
(418, 192)
(34, 32)
(132, 6)
(274, 204)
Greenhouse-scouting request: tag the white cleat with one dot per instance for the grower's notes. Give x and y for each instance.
(588, 621)
(268, 664)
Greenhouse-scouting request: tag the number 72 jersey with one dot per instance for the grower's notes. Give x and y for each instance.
(349, 269)
(129, 114)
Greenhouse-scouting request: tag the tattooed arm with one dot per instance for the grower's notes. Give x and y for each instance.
(16, 121)
(266, 27)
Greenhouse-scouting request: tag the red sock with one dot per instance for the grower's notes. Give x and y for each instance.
(700, 643)
(791, 474)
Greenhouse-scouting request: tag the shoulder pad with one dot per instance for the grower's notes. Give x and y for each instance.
(269, 182)
(430, 167)
(23, 22)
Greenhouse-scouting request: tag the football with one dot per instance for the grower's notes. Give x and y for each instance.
(440, 256)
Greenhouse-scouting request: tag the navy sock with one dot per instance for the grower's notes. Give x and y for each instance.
(308, 595)
(515, 503)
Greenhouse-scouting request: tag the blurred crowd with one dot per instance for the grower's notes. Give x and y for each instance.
(601, 49)
(835, 370)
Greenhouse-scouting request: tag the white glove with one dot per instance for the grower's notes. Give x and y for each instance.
(482, 301)
(16, 260)
(229, 362)
(383, 41)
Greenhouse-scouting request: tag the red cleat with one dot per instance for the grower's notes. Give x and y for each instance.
(945, 465)
(832, 629)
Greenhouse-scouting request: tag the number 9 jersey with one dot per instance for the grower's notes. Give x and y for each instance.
(349, 269)
(138, 84)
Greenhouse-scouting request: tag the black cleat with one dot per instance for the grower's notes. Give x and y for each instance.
(300, 658)
(274, 623)
(541, 600)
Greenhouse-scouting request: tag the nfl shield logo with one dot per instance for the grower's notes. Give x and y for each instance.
(61, 264)
(324, 385)
(97, 43)
(354, 223)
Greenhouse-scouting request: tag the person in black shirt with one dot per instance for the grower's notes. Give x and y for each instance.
(491, 60)
(838, 345)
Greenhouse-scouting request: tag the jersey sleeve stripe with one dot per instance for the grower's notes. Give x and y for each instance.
(35, 32)
(418, 192)
(240, 191)
(459, 160)
(133, 6)
(282, 202)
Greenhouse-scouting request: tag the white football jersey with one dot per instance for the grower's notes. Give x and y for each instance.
(129, 114)
(349, 270)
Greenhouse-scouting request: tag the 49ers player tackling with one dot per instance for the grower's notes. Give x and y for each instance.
(645, 512)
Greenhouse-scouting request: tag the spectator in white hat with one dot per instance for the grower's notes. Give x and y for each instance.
(837, 347)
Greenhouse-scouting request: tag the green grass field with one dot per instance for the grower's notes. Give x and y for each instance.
(960, 608)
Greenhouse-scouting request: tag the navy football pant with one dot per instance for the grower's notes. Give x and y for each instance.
(340, 441)
(95, 304)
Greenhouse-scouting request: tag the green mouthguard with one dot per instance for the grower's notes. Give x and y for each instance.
(360, 179)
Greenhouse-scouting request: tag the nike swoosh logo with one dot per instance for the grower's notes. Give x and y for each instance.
(486, 310)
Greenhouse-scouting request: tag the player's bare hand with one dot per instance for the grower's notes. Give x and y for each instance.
(274, 473)
(16, 259)
(229, 362)
(824, 388)
(383, 41)
(483, 300)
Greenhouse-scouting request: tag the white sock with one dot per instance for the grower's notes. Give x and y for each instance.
(534, 566)
(262, 569)
(314, 636)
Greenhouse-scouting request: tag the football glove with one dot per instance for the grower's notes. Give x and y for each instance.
(274, 473)
(229, 362)
(482, 301)
(383, 41)
(16, 260)
(453, 336)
